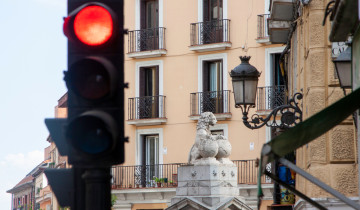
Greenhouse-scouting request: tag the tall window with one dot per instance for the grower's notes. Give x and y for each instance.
(212, 76)
(212, 10)
(212, 95)
(150, 158)
(149, 35)
(277, 93)
(149, 14)
(212, 26)
(148, 104)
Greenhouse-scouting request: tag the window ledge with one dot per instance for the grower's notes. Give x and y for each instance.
(142, 122)
(263, 40)
(210, 47)
(147, 54)
(219, 116)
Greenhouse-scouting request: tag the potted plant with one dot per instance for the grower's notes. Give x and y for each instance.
(158, 181)
(130, 185)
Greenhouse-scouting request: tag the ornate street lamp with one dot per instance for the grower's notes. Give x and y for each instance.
(343, 68)
(244, 79)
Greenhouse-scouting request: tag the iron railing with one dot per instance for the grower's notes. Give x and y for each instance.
(212, 101)
(262, 30)
(146, 39)
(209, 32)
(146, 107)
(248, 172)
(270, 97)
(143, 176)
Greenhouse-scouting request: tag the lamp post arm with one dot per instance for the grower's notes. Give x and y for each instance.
(290, 115)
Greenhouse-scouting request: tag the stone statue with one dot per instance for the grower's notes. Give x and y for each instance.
(209, 149)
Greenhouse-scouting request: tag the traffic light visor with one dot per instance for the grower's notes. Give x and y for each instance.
(92, 25)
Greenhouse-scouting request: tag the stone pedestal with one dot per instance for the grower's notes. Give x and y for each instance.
(207, 187)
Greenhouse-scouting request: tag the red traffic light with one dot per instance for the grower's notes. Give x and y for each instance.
(92, 25)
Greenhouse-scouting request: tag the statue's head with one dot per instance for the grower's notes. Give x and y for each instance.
(207, 118)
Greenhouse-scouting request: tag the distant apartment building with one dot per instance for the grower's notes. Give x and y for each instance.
(33, 192)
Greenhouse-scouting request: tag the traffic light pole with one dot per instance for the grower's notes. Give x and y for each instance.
(97, 188)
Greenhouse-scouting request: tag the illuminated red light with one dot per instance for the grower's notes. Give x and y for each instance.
(93, 25)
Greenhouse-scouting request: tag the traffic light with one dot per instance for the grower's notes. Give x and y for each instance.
(95, 82)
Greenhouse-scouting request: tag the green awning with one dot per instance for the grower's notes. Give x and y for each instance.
(307, 131)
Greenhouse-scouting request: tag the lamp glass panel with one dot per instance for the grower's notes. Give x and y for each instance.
(250, 91)
(238, 89)
(344, 73)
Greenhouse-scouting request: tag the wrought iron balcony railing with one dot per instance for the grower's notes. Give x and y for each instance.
(213, 101)
(146, 39)
(210, 32)
(146, 107)
(262, 30)
(143, 176)
(270, 97)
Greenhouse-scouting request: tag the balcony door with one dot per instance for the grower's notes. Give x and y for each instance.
(277, 93)
(212, 27)
(150, 158)
(149, 34)
(212, 96)
(148, 104)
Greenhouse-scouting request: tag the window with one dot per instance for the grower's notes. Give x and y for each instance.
(148, 104)
(212, 75)
(149, 14)
(217, 132)
(212, 10)
(149, 159)
(212, 96)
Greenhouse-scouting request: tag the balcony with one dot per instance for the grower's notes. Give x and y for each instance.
(146, 43)
(282, 10)
(217, 102)
(270, 97)
(278, 31)
(147, 110)
(210, 35)
(142, 176)
(262, 29)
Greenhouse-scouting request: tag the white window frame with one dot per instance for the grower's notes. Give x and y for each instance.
(138, 66)
(268, 53)
(138, 144)
(223, 127)
(161, 20)
(211, 57)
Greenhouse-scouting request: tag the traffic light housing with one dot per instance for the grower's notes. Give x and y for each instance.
(95, 82)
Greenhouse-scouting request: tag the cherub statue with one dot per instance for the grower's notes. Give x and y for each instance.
(209, 149)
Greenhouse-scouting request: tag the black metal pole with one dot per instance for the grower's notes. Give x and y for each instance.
(97, 189)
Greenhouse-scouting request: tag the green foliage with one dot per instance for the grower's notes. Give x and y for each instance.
(113, 199)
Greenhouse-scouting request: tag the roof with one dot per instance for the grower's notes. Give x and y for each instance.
(23, 184)
(28, 180)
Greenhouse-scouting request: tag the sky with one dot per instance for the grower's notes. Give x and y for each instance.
(32, 61)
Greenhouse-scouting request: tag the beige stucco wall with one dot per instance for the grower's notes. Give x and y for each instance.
(331, 157)
(180, 77)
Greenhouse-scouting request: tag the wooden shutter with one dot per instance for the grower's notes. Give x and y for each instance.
(142, 82)
(142, 14)
(206, 10)
(205, 78)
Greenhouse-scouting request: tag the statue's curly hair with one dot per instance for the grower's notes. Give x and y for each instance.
(204, 120)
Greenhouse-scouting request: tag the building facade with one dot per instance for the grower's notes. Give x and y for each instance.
(178, 55)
